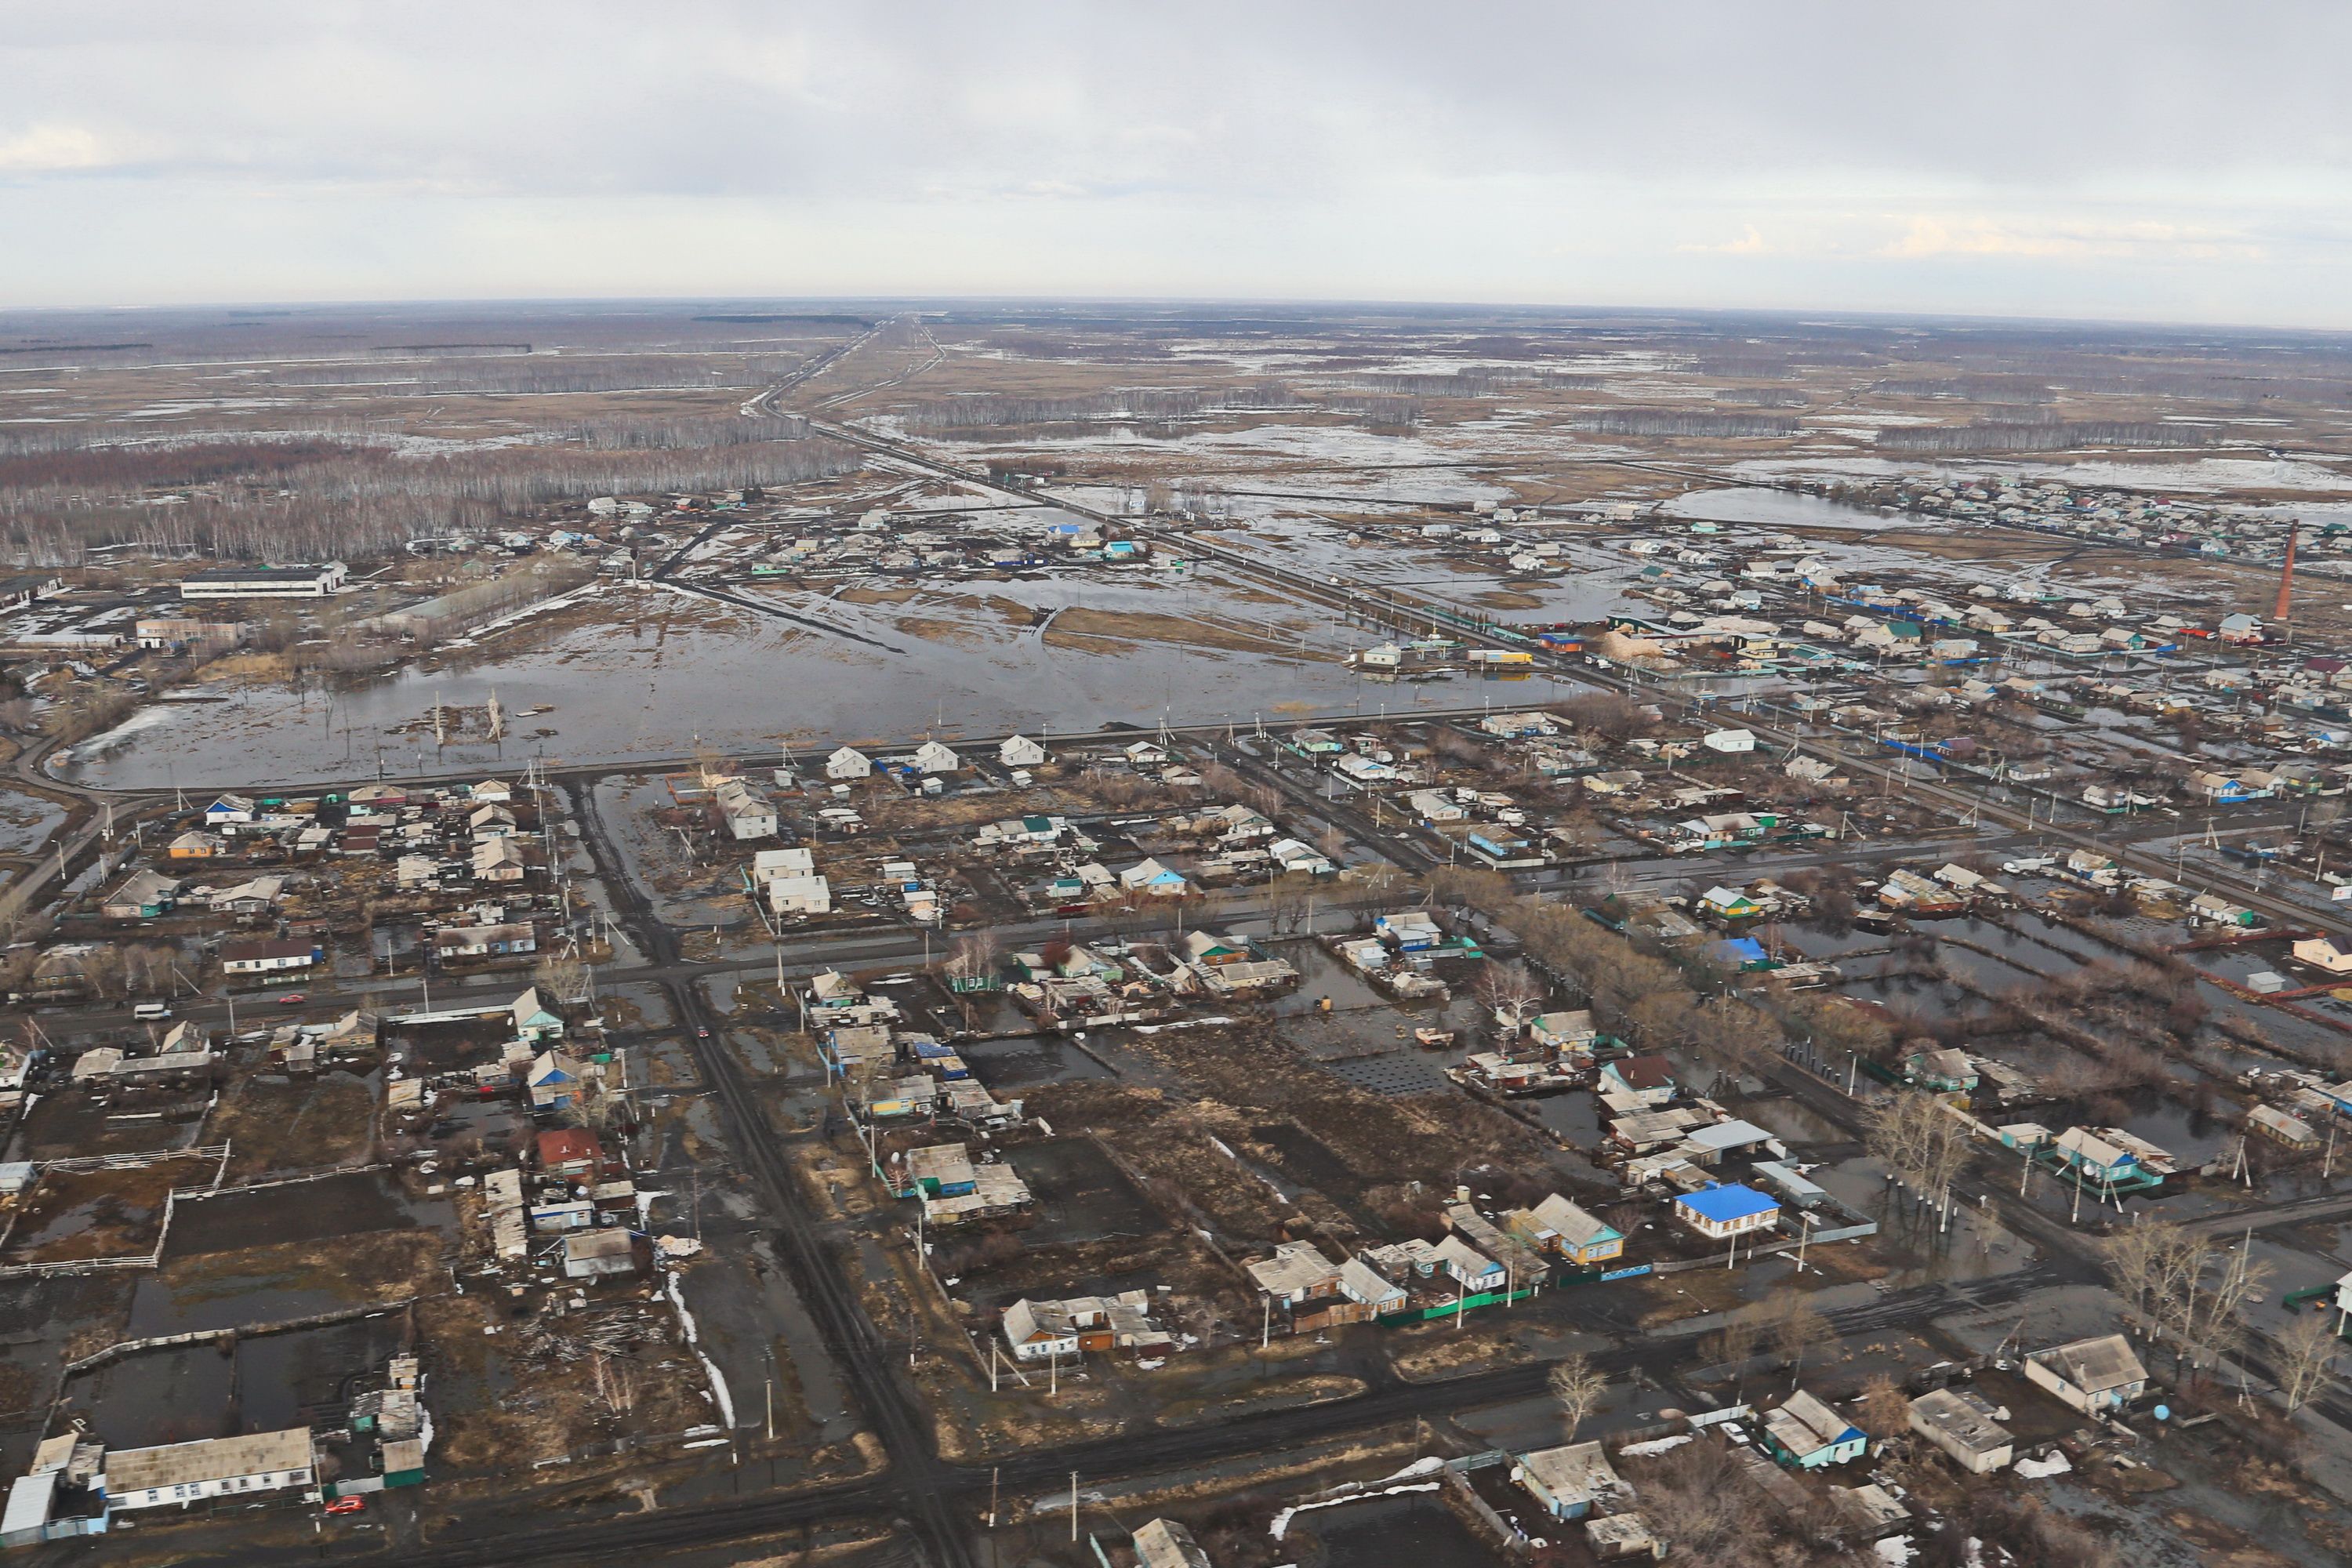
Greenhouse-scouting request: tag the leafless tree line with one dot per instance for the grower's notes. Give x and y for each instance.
(544, 373)
(673, 435)
(1677, 422)
(2016, 389)
(2053, 436)
(362, 503)
(2185, 1288)
(985, 411)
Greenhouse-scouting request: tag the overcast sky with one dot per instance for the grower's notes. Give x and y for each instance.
(2142, 159)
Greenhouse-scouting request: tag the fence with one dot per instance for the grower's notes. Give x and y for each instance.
(151, 1259)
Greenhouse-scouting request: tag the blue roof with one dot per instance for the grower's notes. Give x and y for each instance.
(1742, 949)
(1724, 1204)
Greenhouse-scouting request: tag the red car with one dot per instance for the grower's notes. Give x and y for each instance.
(347, 1505)
(292, 999)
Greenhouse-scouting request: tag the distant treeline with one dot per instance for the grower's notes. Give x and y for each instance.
(2052, 435)
(1677, 422)
(2024, 389)
(990, 410)
(306, 503)
(545, 374)
(687, 434)
(2242, 391)
(1764, 396)
(1474, 382)
(1379, 412)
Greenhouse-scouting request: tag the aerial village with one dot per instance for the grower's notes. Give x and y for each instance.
(1845, 1053)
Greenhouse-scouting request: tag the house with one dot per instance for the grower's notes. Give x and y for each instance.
(228, 810)
(491, 791)
(1361, 1283)
(555, 1076)
(1942, 1072)
(1164, 1543)
(571, 1152)
(2282, 1126)
(804, 894)
(1020, 751)
(1436, 805)
(269, 955)
(599, 1254)
(1731, 742)
(1040, 1331)
(2095, 1158)
(931, 757)
(1296, 1272)
(1470, 1268)
(498, 860)
(533, 1020)
(1582, 1238)
(1564, 1032)
(142, 896)
(1567, 1480)
(1721, 1212)
(2324, 953)
(490, 822)
(485, 941)
(1727, 904)
(747, 812)
(183, 1473)
(1648, 1079)
(1964, 1426)
(848, 763)
(195, 846)
(1153, 880)
(2095, 1375)
(1807, 1434)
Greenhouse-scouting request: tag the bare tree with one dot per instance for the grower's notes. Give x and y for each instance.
(1795, 1325)
(974, 957)
(1576, 1386)
(1885, 1411)
(2307, 1356)
(562, 976)
(1509, 993)
(1734, 1345)
(616, 1382)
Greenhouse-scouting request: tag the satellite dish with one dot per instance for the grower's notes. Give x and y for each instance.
(2163, 1413)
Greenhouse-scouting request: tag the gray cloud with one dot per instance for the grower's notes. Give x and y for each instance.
(2130, 160)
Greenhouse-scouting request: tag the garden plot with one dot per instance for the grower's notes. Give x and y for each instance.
(86, 1211)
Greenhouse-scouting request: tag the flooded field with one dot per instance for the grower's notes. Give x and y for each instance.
(26, 821)
(676, 669)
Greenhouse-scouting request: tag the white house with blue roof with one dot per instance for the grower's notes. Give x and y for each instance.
(1726, 1210)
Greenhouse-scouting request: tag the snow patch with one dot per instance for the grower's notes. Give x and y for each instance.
(710, 1368)
(2038, 1469)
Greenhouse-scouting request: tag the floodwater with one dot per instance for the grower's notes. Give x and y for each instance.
(676, 668)
(1019, 1063)
(27, 822)
(1777, 509)
(1413, 1527)
(256, 1383)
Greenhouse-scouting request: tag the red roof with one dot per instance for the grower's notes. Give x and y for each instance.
(1645, 1072)
(568, 1146)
